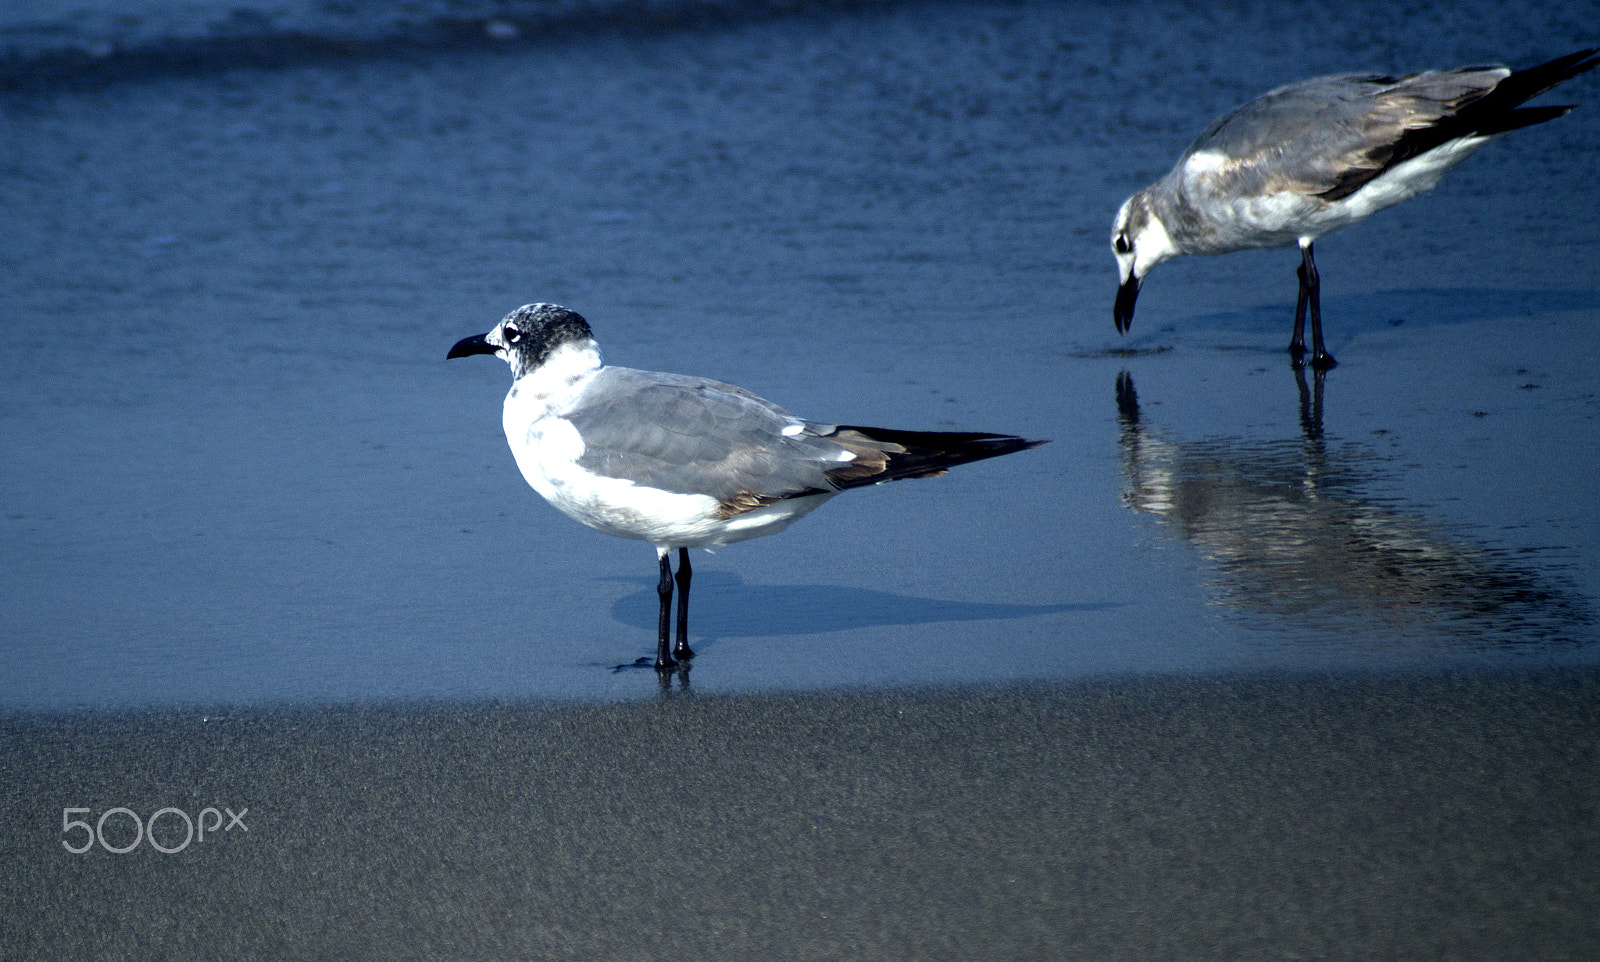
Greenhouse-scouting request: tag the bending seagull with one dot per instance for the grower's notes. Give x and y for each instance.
(683, 462)
(1318, 155)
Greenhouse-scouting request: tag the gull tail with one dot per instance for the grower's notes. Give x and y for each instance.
(884, 454)
(1449, 105)
(1498, 112)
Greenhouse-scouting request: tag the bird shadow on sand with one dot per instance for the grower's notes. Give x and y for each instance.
(723, 606)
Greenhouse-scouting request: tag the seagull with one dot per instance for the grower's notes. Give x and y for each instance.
(1318, 155)
(683, 462)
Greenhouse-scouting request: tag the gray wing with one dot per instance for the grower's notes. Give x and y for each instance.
(690, 435)
(1330, 135)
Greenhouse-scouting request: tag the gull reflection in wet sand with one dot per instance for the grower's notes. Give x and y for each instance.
(1293, 530)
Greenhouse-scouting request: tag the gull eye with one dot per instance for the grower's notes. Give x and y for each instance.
(1121, 244)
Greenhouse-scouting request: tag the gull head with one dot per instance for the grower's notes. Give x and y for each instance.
(529, 336)
(1140, 241)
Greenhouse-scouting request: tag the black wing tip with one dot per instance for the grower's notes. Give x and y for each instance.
(1573, 63)
(1528, 83)
(1528, 116)
(1012, 443)
(928, 454)
(1497, 111)
(992, 446)
(937, 439)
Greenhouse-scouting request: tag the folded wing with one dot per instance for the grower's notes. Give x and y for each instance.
(691, 435)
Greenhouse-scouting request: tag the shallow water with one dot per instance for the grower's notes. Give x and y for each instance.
(238, 470)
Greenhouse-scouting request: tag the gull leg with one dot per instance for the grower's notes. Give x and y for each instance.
(1311, 290)
(684, 574)
(664, 660)
(1297, 343)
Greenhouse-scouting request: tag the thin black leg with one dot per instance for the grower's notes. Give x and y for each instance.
(684, 574)
(1311, 290)
(664, 589)
(1297, 343)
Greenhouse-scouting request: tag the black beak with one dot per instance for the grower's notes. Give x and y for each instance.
(468, 346)
(1126, 295)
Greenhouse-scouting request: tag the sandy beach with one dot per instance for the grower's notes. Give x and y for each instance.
(1448, 817)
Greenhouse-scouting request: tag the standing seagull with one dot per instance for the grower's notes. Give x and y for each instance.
(1318, 155)
(683, 462)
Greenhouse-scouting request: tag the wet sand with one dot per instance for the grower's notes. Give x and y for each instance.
(1433, 816)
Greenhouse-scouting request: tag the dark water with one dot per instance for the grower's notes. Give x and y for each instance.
(238, 470)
